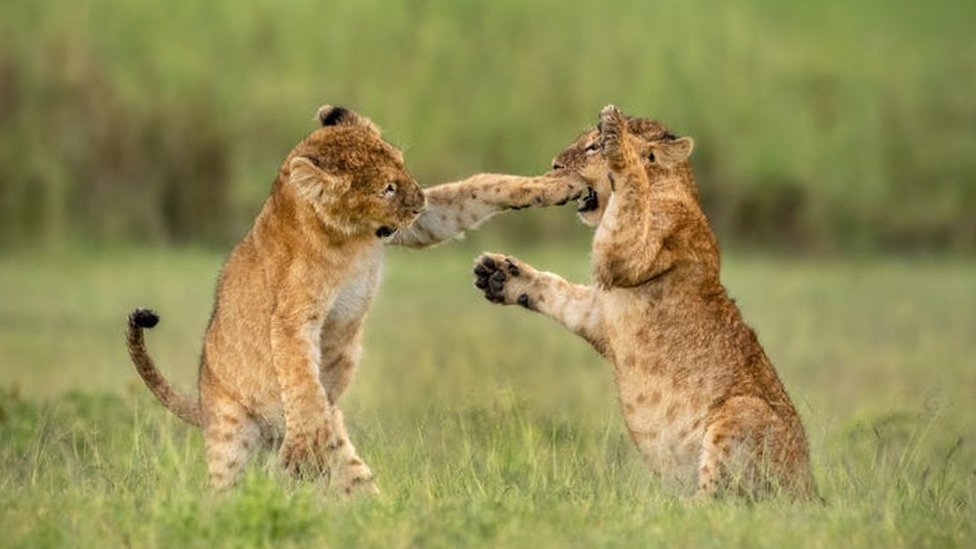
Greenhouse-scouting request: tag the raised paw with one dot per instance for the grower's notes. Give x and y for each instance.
(612, 127)
(563, 188)
(502, 279)
(549, 190)
(611, 122)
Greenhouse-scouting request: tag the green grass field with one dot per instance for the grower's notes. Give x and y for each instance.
(826, 127)
(485, 425)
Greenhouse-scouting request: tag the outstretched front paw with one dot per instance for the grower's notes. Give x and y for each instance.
(612, 127)
(549, 190)
(503, 279)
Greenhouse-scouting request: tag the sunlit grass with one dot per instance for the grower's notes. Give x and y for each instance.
(483, 424)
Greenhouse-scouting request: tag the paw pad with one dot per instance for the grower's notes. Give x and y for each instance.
(492, 275)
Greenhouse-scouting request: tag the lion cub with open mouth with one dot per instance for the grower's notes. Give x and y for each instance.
(285, 334)
(700, 398)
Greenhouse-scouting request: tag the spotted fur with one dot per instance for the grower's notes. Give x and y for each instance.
(285, 335)
(699, 396)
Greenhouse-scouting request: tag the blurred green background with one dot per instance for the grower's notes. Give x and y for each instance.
(820, 126)
(835, 157)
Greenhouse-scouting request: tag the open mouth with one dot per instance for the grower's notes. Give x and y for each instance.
(589, 202)
(385, 231)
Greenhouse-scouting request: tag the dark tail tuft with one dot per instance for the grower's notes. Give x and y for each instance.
(143, 318)
(184, 406)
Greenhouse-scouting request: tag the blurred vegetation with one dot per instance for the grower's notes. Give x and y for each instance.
(820, 126)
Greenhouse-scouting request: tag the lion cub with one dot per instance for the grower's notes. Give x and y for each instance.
(700, 398)
(285, 334)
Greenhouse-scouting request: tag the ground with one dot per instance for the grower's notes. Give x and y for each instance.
(485, 425)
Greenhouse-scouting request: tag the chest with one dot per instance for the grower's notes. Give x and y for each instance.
(357, 291)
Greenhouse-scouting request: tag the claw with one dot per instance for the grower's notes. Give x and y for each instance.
(609, 116)
(609, 110)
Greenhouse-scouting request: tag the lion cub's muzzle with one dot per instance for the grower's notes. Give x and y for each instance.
(589, 201)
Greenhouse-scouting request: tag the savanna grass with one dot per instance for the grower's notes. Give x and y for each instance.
(485, 426)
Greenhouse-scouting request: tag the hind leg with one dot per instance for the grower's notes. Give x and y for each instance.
(738, 448)
(230, 435)
(713, 466)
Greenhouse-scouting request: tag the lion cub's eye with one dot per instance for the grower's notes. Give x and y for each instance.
(593, 147)
(390, 190)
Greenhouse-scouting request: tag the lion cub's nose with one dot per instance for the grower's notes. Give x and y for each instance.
(557, 165)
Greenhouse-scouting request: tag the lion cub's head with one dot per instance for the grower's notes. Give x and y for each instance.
(355, 182)
(661, 154)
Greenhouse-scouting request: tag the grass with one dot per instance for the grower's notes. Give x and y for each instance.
(486, 426)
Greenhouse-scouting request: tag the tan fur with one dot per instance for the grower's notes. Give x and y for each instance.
(285, 335)
(700, 398)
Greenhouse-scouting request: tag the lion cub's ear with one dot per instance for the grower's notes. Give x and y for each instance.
(674, 151)
(329, 115)
(313, 181)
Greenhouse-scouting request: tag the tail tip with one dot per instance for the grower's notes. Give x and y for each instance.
(143, 318)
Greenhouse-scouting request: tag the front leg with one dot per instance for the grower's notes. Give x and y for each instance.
(509, 281)
(341, 348)
(453, 208)
(309, 435)
(351, 475)
(296, 321)
(627, 246)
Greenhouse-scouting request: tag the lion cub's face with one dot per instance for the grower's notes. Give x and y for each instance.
(355, 181)
(660, 152)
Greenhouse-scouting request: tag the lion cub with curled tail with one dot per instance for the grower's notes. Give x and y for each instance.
(700, 398)
(285, 334)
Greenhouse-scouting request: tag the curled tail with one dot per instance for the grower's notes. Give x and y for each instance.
(184, 406)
